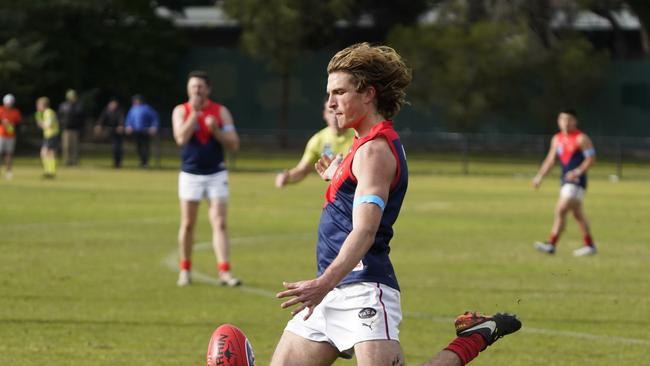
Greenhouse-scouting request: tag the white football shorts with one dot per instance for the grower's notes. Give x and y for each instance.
(350, 314)
(572, 191)
(195, 187)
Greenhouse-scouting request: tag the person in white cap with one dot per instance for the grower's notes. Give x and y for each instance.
(9, 118)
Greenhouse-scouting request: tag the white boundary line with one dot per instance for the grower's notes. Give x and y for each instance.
(86, 224)
(171, 262)
(550, 332)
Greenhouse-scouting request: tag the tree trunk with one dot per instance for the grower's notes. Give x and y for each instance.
(539, 15)
(620, 48)
(641, 9)
(475, 11)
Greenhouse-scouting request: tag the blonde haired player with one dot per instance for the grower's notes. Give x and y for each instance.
(353, 306)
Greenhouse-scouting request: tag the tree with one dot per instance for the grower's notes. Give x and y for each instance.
(496, 66)
(108, 48)
(278, 31)
(606, 9)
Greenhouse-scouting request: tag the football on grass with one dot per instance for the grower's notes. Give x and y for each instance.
(229, 347)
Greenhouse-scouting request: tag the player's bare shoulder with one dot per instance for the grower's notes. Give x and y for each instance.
(178, 114)
(226, 116)
(584, 140)
(375, 155)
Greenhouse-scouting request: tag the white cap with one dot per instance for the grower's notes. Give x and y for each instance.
(9, 99)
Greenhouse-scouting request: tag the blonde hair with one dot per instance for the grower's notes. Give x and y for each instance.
(378, 66)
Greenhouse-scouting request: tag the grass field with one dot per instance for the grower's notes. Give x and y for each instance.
(87, 271)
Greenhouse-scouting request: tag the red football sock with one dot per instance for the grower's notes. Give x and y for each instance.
(588, 240)
(224, 267)
(467, 348)
(553, 239)
(186, 265)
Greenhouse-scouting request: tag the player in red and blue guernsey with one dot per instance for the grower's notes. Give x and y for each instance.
(353, 306)
(576, 153)
(203, 128)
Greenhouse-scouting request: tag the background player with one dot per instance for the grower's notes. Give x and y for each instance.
(47, 121)
(9, 118)
(203, 128)
(330, 141)
(576, 154)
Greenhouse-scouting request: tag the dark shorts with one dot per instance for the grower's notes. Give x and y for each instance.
(51, 142)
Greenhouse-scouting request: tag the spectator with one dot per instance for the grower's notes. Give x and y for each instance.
(71, 118)
(142, 121)
(9, 118)
(111, 120)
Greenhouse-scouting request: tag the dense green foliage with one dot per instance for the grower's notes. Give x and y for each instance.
(101, 48)
(496, 66)
(87, 271)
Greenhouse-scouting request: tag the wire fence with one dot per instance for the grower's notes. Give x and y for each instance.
(428, 152)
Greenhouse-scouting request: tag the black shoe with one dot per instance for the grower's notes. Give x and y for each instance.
(490, 328)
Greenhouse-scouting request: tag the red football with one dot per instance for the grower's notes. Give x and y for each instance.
(229, 347)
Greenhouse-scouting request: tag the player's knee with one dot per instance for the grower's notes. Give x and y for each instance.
(187, 225)
(219, 223)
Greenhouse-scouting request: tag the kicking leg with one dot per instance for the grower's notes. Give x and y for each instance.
(475, 332)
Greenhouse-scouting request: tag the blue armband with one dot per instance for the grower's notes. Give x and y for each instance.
(370, 198)
(589, 152)
(228, 128)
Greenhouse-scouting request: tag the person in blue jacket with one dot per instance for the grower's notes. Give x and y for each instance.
(142, 122)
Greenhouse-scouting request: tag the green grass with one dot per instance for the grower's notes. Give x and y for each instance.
(84, 278)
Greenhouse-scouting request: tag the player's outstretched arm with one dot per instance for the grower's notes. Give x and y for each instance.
(305, 166)
(293, 175)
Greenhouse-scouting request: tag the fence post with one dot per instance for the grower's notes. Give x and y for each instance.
(232, 160)
(464, 145)
(619, 159)
(157, 149)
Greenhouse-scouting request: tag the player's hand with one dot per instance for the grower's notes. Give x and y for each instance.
(573, 175)
(129, 130)
(97, 130)
(152, 131)
(537, 181)
(326, 166)
(196, 102)
(281, 179)
(307, 294)
(211, 122)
